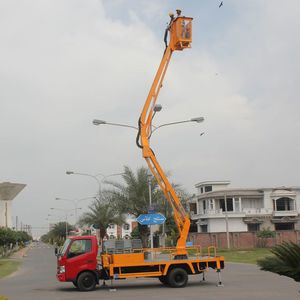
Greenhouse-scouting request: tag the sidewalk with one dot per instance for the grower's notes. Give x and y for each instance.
(20, 253)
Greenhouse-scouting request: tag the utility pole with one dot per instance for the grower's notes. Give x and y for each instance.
(226, 222)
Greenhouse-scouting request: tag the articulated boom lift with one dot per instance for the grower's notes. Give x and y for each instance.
(180, 32)
(77, 261)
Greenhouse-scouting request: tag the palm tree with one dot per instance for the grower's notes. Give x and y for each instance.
(133, 196)
(286, 261)
(58, 233)
(102, 214)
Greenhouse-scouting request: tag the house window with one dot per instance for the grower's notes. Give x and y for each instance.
(193, 226)
(211, 204)
(126, 226)
(204, 205)
(193, 208)
(237, 204)
(283, 204)
(253, 227)
(284, 226)
(229, 202)
(208, 188)
(203, 228)
(201, 190)
(111, 226)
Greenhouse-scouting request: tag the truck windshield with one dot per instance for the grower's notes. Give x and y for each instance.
(65, 247)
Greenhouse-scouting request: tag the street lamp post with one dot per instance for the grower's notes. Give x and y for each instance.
(150, 207)
(75, 203)
(226, 222)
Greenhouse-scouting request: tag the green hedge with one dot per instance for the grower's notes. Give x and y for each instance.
(8, 237)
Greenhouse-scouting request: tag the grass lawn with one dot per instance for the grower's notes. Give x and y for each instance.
(8, 266)
(249, 256)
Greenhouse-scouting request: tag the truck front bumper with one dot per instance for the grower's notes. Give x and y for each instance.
(61, 276)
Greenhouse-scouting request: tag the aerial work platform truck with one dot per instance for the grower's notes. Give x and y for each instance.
(78, 260)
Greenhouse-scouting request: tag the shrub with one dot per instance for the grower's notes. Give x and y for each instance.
(263, 237)
(286, 261)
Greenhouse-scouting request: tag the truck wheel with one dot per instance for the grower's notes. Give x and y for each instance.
(163, 280)
(178, 278)
(86, 281)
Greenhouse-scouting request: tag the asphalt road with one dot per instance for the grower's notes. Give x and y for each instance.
(36, 280)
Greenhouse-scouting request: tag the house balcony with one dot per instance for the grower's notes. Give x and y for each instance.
(257, 211)
(219, 213)
(285, 213)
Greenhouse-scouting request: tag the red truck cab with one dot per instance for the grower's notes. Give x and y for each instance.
(77, 262)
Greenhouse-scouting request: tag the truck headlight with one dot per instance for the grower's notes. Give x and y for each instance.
(62, 269)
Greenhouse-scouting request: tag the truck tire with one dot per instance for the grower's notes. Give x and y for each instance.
(178, 278)
(86, 281)
(163, 280)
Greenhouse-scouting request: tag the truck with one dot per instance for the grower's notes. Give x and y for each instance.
(79, 260)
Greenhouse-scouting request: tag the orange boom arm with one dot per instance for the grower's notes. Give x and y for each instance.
(180, 30)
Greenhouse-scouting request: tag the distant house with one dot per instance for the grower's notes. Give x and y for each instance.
(216, 206)
(122, 231)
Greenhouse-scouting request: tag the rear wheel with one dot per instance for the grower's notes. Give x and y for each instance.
(178, 278)
(86, 281)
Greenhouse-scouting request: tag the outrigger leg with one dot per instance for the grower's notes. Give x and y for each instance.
(112, 289)
(220, 284)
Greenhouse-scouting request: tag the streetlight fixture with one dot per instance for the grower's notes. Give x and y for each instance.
(157, 108)
(99, 182)
(75, 203)
(196, 120)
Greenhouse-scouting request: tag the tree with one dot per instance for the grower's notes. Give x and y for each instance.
(286, 261)
(102, 213)
(8, 236)
(263, 237)
(133, 196)
(57, 234)
(59, 230)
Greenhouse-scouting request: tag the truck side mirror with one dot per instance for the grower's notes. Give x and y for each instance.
(56, 251)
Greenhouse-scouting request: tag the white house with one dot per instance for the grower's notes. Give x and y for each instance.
(216, 207)
(122, 231)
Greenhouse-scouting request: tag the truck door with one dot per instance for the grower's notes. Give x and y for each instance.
(80, 256)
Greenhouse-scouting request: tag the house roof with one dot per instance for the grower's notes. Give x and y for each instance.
(217, 182)
(255, 193)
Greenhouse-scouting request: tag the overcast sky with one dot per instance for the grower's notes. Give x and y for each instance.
(65, 62)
